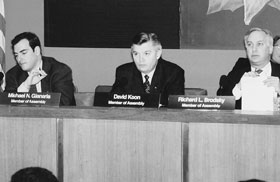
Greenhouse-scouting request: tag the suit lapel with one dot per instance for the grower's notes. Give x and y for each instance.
(157, 77)
(137, 86)
(44, 82)
(22, 76)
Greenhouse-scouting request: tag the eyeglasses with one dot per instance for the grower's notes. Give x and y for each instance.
(277, 46)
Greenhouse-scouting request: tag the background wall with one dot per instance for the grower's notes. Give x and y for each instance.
(92, 66)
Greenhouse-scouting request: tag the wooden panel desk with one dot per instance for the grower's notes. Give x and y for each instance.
(136, 144)
(27, 141)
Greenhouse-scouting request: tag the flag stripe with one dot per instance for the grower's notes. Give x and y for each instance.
(2, 42)
(2, 57)
(2, 27)
(2, 23)
(2, 11)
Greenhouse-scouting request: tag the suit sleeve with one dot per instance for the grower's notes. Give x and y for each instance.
(11, 82)
(177, 86)
(120, 82)
(62, 82)
(227, 83)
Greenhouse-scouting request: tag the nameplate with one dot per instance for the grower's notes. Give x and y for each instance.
(126, 100)
(202, 102)
(30, 99)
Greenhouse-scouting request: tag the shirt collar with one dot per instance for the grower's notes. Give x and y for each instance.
(151, 74)
(266, 70)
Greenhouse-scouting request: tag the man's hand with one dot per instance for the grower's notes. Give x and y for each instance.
(35, 77)
(246, 74)
(273, 81)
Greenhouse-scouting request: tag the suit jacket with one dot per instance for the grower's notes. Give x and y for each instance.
(168, 79)
(58, 79)
(241, 66)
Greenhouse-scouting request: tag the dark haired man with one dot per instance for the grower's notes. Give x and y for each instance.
(37, 73)
(149, 73)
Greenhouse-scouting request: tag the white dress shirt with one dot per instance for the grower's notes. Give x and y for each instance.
(151, 74)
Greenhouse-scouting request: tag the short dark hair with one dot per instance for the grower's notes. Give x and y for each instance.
(144, 37)
(33, 174)
(275, 39)
(32, 38)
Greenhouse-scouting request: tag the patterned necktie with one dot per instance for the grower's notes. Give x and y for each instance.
(147, 84)
(33, 89)
(258, 71)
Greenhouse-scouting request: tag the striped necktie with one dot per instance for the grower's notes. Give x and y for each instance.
(147, 84)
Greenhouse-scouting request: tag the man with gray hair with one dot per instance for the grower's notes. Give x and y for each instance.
(259, 46)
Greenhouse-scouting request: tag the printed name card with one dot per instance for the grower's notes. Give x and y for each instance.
(30, 99)
(126, 100)
(201, 102)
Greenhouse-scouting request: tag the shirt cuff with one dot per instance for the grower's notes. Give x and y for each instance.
(236, 92)
(23, 88)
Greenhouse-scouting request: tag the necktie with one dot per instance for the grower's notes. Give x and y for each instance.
(147, 84)
(258, 71)
(33, 89)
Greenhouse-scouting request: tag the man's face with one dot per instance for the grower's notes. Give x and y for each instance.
(276, 52)
(25, 56)
(258, 48)
(146, 56)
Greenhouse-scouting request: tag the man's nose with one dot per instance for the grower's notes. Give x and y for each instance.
(255, 47)
(19, 58)
(141, 58)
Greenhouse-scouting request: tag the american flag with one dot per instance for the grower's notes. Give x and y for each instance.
(2, 39)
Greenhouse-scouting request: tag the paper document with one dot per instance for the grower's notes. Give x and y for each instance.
(257, 96)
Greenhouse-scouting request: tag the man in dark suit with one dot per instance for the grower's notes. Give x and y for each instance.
(149, 73)
(259, 45)
(36, 73)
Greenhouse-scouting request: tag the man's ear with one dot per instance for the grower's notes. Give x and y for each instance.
(159, 52)
(270, 49)
(37, 50)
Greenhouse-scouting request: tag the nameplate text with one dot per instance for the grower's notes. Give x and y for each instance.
(202, 102)
(126, 100)
(30, 99)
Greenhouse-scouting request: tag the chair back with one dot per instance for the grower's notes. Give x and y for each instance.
(103, 88)
(84, 98)
(195, 91)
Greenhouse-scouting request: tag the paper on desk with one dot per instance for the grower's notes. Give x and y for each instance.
(257, 96)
